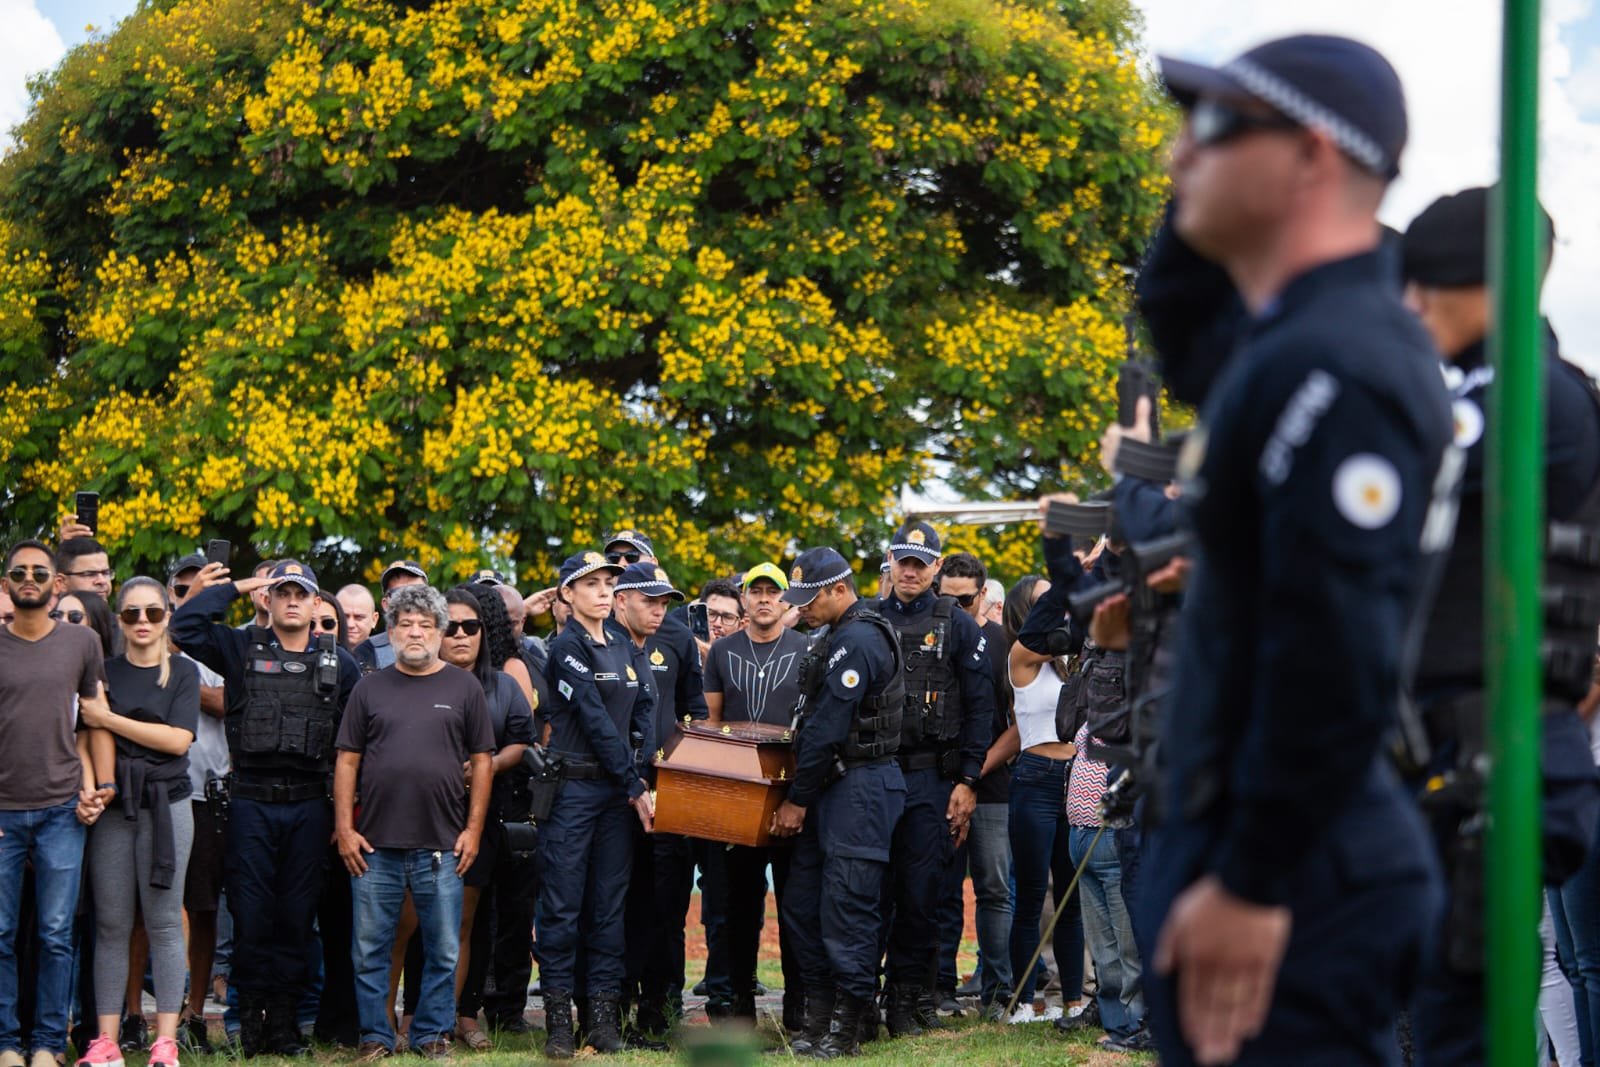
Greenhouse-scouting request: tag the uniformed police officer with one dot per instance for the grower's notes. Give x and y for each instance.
(1444, 258)
(848, 795)
(943, 740)
(600, 727)
(284, 695)
(1316, 485)
(663, 864)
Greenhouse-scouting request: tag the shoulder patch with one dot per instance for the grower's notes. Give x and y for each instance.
(1467, 418)
(1366, 490)
(850, 679)
(573, 662)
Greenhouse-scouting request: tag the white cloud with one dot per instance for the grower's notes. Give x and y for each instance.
(29, 46)
(1448, 56)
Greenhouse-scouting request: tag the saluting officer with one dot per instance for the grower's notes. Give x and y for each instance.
(944, 737)
(1318, 486)
(285, 695)
(598, 701)
(847, 796)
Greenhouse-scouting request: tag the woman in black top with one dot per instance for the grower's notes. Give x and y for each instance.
(139, 850)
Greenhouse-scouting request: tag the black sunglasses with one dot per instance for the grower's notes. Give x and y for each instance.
(330, 623)
(181, 590)
(152, 612)
(74, 616)
(470, 627)
(966, 599)
(20, 573)
(1211, 122)
(624, 557)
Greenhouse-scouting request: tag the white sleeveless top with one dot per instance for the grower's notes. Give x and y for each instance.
(1035, 707)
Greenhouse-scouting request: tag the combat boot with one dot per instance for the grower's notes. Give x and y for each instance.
(283, 1037)
(871, 1018)
(901, 1013)
(650, 1025)
(819, 1014)
(605, 1024)
(558, 1042)
(926, 1011)
(252, 1023)
(843, 1029)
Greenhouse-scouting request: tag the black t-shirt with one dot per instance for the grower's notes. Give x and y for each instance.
(414, 732)
(759, 682)
(133, 693)
(995, 787)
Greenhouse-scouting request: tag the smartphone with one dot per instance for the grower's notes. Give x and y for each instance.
(87, 508)
(218, 551)
(699, 622)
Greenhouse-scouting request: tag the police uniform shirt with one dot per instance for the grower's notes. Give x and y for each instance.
(672, 661)
(1308, 485)
(598, 701)
(1144, 511)
(970, 662)
(859, 664)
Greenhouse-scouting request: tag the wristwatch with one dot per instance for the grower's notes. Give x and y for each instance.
(970, 781)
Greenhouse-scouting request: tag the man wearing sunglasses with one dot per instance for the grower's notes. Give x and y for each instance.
(285, 689)
(1319, 487)
(48, 789)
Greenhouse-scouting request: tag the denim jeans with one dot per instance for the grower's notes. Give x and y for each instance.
(53, 839)
(377, 896)
(989, 858)
(1576, 913)
(1040, 853)
(1109, 932)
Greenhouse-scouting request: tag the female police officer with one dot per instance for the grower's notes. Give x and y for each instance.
(599, 717)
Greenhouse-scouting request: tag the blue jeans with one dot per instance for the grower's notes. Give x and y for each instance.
(1575, 907)
(53, 839)
(377, 897)
(989, 857)
(1040, 853)
(1109, 932)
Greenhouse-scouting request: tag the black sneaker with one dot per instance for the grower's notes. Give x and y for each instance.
(192, 1036)
(949, 1005)
(135, 1035)
(1138, 1041)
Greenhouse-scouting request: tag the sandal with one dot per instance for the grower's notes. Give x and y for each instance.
(475, 1039)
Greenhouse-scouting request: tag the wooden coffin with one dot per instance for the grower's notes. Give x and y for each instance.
(723, 781)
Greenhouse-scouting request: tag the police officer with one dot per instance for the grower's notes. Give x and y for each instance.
(848, 795)
(1444, 257)
(600, 727)
(944, 737)
(285, 694)
(663, 864)
(1309, 484)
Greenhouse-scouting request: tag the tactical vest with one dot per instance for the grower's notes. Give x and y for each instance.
(875, 728)
(290, 708)
(1104, 695)
(933, 692)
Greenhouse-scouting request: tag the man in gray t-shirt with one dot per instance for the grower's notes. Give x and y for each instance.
(49, 790)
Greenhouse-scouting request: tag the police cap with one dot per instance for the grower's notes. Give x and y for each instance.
(814, 571)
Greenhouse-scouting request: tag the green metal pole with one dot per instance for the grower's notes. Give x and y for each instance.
(1514, 529)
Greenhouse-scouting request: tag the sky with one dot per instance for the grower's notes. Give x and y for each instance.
(1447, 53)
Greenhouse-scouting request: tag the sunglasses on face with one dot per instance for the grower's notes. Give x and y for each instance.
(1212, 122)
(330, 623)
(966, 599)
(74, 616)
(624, 557)
(20, 574)
(470, 627)
(181, 591)
(151, 612)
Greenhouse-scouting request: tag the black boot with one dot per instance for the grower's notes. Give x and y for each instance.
(901, 1016)
(794, 1009)
(926, 1011)
(871, 1017)
(650, 1025)
(283, 1030)
(558, 1043)
(843, 1030)
(819, 1014)
(605, 1024)
(252, 1023)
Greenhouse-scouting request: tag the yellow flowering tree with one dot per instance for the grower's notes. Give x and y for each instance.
(476, 280)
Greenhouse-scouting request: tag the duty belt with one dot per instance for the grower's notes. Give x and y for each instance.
(276, 791)
(571, 770)
(924, 760)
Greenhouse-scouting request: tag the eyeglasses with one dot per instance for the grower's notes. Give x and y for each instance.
(470, 627)
(723, 616)
(1211, 122)
(181, 591)
(106, 573)
(20, 574)
(330, 623)
(74, 616)
(966, 599)
(624, 557)
(152, 613)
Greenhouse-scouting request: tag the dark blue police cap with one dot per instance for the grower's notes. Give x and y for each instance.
(292, 570)
(647, 578)
(916, 539)
(582, 563)
(814, 571)
(1341, 87)
(632, 538)
(1447, 246)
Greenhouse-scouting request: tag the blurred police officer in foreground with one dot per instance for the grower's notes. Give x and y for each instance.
(1444, 259)
(847, 796)
(1291, 880)
(285, 694)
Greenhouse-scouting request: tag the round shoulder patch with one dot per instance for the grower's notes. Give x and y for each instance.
(850, 679)
(1467, 418)
(1366, 490)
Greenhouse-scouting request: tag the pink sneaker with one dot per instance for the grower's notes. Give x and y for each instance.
(103, 1052)
(164, 1053)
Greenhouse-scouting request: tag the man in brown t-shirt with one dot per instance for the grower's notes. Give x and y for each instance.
(49, 789)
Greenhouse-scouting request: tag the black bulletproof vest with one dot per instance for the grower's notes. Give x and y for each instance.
(290, 710)
(933, 692)
(875, 728)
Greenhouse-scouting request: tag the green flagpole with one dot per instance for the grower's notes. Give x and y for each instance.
(1514, 529)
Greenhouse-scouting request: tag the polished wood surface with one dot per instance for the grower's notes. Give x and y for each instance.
(723, 781)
